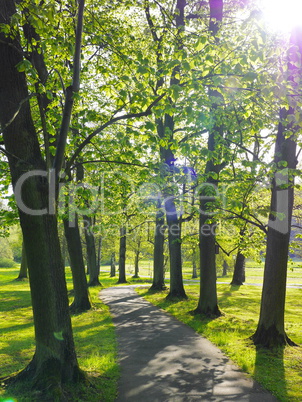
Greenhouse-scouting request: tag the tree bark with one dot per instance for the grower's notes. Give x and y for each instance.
(225, 268)
(99, 253)
(112, 265)
(194, 272)
(81, 296)
(93, 267)
(54, 361)
(136, 262)
(158, 283)
(122, 256)
(239, 270)
(174, 237)
(23, 268)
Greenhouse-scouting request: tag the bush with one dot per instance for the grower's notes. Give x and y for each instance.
(6, 263)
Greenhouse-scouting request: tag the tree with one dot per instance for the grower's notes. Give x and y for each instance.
(158, 283)
(54, 361)
(239, 270)
(23, 267)
(208, 303)
(81, 296)
(122, 255)
(112, 265)
(270, 331)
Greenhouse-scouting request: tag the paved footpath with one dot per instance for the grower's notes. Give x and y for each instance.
(163, 360)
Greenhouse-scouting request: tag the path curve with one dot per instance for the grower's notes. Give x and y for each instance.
(163, 360)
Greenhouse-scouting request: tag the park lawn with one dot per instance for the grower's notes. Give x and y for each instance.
(93, 333)
(279, 372)
(254, 272)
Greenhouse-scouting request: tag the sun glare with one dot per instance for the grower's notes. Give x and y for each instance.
(282, 15)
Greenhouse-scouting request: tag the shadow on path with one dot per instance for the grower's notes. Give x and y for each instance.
(164, 360)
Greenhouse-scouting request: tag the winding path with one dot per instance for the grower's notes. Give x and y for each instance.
(163, 360)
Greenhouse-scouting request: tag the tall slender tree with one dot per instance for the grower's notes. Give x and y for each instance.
(270, 331)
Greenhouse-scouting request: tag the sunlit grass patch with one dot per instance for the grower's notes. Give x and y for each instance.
(278, 371)
(94, 337)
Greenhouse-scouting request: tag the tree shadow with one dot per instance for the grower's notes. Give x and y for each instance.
(270, 364)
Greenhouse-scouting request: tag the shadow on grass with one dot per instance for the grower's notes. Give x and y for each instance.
(268, 365)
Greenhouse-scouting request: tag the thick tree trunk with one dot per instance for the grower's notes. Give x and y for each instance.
(207, 303)
(158, 283)
(239, 270)
(112, 265)
(270, 330)
(55, 359)
(93, 268)
(81, 296)
(23, 268)
(122, 256)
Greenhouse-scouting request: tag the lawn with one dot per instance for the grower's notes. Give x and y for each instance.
(93, 333)
(281, 371)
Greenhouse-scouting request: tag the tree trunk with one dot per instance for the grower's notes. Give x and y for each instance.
(99, 254)
(112, 265)
(207, 303)
(174, 236)
(158, 282)
(136, 262)
(270, 331)
(23, 267)
(194, 272)
(122, 256)
(239, 270)
(93, 268)
(54, 361)
(225, 267)
(81, 296)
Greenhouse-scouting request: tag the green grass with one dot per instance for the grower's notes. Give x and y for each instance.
(281, 371)
(93, 333)
(254, 272)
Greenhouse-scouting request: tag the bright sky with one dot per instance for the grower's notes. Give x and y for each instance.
(282, 15)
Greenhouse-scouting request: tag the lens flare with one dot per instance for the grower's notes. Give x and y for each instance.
(282, 15)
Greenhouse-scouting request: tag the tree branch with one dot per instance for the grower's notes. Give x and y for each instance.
(71, 90)
(113, 120)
